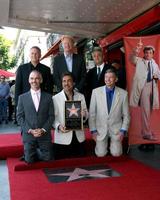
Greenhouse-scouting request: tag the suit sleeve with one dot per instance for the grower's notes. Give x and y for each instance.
(48, 124)
(20, 115)
(49, 82)
(56, 77)
(80, 85)
(18, 85)
(92, 112)
(84, 108)
(125, 113)
(56, 122)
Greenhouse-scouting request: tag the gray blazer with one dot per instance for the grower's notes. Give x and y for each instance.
(29, 118)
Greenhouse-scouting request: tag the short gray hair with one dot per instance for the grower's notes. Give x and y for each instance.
(97, 49)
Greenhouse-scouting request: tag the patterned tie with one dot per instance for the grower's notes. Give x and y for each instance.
(149, 72)
(99, 73)
(36, 100)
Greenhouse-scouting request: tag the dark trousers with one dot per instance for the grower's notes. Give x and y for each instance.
(38, 150)
(10, 109)
(75, 149)
(3, 109)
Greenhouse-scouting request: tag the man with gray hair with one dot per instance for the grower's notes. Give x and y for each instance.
(109, 116)
(69, 62)
(95, 76)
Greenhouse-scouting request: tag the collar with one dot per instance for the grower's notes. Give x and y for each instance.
(35, 92)
(67, 96)
(68, 55)
(33, 65)
(110, 90)
(100, 66)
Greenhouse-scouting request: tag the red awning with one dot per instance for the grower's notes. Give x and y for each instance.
(53, 50)
(141, 22)
(6, 73)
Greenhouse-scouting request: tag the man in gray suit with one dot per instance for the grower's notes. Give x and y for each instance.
(35, 114)
(109, 116)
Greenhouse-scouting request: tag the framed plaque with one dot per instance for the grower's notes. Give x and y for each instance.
(73, 117)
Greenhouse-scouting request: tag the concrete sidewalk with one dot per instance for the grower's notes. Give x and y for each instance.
(9, 128)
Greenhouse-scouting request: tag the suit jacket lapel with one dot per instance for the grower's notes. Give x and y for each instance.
(64, 64)
(103, 99)
(73, 63)
(41, 101)
(95, 74)
(30, 100)
(64, 96)
(115, 99)
(103, 72)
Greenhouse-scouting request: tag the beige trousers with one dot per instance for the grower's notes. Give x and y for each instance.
(145, 104)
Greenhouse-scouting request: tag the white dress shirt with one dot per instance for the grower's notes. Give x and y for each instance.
(101, 67)
(36, 95)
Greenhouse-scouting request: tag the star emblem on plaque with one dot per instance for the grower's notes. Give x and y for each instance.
(73, 118)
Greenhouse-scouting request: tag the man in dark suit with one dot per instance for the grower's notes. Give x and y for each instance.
(95, 76)
(35, 115)
(121, 74)
(22, 84)
(69, 62)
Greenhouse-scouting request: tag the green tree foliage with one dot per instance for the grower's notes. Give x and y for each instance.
(6, 60)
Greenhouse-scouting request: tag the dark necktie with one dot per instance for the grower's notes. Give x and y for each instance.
(99, 73)
(109, 100)
(149, 72)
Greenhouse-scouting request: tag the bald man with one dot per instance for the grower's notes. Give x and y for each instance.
(35, 115)
(22, 85)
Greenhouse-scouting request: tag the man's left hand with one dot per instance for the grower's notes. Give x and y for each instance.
(121, 136)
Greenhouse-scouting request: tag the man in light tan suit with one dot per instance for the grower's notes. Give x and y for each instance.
(109, 116)
(144, 91)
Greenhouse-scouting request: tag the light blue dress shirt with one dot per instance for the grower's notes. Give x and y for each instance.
(69, 61)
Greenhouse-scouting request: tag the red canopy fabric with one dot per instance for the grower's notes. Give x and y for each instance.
(6, 73)
(141, 22)
(53, 50)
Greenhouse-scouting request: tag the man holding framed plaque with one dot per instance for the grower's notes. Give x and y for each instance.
(70, 109)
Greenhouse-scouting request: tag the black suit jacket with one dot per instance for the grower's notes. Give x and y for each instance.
(22, 84)
(78, 71)
(29, 118)
(93, 82)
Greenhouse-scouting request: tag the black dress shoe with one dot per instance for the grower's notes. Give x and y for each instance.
(146, 147)
(22, 158)
(142, 147)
